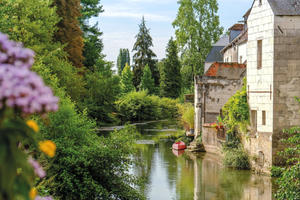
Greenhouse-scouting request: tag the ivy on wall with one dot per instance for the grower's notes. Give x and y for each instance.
(236, 117)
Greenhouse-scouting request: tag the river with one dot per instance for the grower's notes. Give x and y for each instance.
(170, 175)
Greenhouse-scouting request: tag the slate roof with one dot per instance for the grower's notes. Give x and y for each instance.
(215, 52)
(285, 7)
(223, 41)
(237, 27)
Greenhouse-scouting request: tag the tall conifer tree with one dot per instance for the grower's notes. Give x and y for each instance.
(123, 59)
(93, 45)
(69, 31)
(170, 78)
(144, 55)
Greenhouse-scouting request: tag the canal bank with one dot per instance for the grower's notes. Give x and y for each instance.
(188, 176)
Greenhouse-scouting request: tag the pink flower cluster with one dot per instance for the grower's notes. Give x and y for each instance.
(38, 170)
(19, 87)
(43, 198)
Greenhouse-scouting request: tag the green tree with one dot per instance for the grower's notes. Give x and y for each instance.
(144, 55)
(196, 28)
(123, 59)
(103, 89)
(170, 78)
(93, 45)
(147, 82)
(35, 27)
(127, 80)
(69, 32)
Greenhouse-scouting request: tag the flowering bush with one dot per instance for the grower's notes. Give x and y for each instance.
(217, 126)
(22, 93)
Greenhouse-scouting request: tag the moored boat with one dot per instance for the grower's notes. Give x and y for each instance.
(179, 146)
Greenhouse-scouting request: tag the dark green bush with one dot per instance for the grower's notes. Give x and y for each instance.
(87, 166)
(236, 112)
(289, 183)
(289, 179)
(236, 158)
(139, 106)
(276, 171)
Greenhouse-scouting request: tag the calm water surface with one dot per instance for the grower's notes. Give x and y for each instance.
(170, 176)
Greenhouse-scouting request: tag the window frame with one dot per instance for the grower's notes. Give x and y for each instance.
(259, 53)
(263, 117)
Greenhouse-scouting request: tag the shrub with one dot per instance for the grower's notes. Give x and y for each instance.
(236, 112)
(87, 166)
(185, 139)
(139, 106)
(236, 158)
(289, 179)
(276, 171)
(187, 113)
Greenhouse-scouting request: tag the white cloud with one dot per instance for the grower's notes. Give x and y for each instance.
(123, 11)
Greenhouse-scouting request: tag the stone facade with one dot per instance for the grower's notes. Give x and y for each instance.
(273, 87)
(260, 81)
(214, 89)
(273, 78)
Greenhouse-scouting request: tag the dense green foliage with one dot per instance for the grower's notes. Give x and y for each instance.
(93, 44)
(139, 106)
(103, 89)
(32, 29)
(289, 177)
(236, 112)
(187, 115)
(147, 82)
(170, 79)
(144, 55)
(196, 28)
(86, 166)
(235, 117)
(123, 59)
(236, 158)
(69, 32)
(127, 80)
(13, 130)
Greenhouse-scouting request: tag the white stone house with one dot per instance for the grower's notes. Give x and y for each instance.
(273, 76)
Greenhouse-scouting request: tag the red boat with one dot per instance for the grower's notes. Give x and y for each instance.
(177, 152)
(179, 146)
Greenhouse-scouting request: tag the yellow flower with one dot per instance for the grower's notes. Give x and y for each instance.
(33, 125)
(32, 193)
(48, 147)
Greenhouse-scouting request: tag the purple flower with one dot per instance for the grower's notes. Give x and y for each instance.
(38, 170)
(13, 53)
(19, 87)
(43, 198)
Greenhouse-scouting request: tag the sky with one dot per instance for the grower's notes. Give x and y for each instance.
(120, 20)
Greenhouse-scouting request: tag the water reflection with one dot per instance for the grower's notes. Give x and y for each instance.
(192, 177)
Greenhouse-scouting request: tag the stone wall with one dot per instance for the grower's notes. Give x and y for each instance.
(218, 91)
(211, 94)
(286, 76)
(211, 142)
(259, 147)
